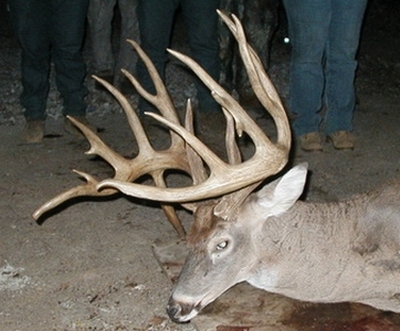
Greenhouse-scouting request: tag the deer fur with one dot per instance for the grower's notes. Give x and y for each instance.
(317, 252)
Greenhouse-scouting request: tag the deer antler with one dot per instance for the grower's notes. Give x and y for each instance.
(186, 152)
(268, 158)
(144, 162)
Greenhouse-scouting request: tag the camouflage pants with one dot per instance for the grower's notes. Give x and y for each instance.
(100, 18)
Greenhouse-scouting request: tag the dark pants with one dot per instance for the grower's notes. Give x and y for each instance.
(51, 31)
(155, 24)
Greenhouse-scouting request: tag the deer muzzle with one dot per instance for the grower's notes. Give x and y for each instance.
(182, 312)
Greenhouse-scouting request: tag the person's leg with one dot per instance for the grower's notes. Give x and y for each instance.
(30, 21)
(202, 21)
(308, 31)
(100, 16)
(260, 21)
(68, 31)
(127, 57)
(155, 25)
(344, 35)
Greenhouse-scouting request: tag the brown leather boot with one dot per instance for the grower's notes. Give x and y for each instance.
(33, 132)
(341, 140)
(311, 142)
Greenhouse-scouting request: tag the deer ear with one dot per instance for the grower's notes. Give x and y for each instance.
(277, 197)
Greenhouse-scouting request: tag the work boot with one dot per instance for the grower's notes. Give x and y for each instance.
(310, 142)
(341, 140)
(70, 128)
(33, 132)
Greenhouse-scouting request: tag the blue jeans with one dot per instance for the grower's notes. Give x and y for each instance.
(156, 20)
(51, 31)
(325, 36)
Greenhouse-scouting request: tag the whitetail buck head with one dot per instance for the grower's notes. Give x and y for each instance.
(223, 253)
(218, 189)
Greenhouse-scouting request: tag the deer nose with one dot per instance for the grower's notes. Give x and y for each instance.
(178, 312)
(173, 310)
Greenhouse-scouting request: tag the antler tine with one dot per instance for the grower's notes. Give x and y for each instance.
(228, 204)
(161, 99)
(98, 147)
(146, 151)
(88, 189)
(133, 120)
(199, 174)
(165, 107)
(260, 82)
(169, 211)
(145, 148)
(243, 121)
(121, 166)
(232, 148)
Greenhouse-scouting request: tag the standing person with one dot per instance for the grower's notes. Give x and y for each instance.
(156, 20)
(324, 35)
(50, 31)
(100, 19)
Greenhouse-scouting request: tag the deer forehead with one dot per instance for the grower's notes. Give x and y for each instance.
(205, 224)
(207, 227)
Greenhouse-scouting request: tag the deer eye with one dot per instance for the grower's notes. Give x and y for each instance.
(222, 245)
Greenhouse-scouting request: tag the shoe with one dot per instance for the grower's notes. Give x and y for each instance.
(311, 142)
(70, 128)
(341, 140)
(33, 132)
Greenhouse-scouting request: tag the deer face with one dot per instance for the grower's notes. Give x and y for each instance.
(220, 256)
(226, 252)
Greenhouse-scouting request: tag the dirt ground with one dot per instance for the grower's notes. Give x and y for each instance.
(91, 265)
